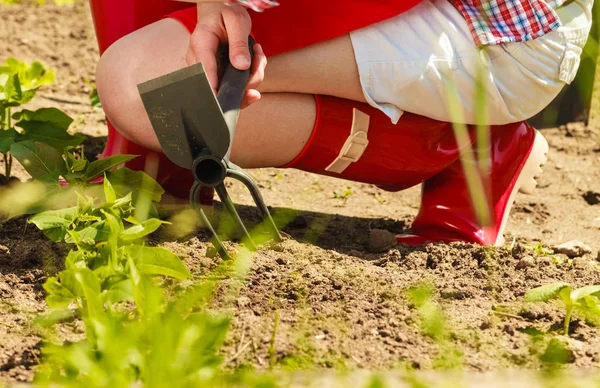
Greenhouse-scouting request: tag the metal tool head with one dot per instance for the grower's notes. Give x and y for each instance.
(186, 115)
(195, 129)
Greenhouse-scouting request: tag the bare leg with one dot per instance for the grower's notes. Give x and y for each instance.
(271, 132)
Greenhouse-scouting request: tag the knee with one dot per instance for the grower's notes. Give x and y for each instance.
(117, 84)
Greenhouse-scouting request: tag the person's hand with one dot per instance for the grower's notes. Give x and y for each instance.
(231, 23)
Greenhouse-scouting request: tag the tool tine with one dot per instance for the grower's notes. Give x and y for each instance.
(226, 199)
(239, 174)
(195, 201)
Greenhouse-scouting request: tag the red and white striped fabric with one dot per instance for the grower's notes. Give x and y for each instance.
(506, 21)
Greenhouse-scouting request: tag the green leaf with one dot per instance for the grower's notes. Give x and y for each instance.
(121, 291)
(141, 230)
(12, 90)
(90, 290)
(584, 291)
(545, 292)
(157, 261)
(28, 95)
(59, 297)
(74, 165)
(125, 180)
(7, 139)
(100, 166)
(54, 317)
(95, 99)
(50, 178)
(148, 298)
(54, 223)
(31, 76)
(38, 158)
(592, 305)
(109, 193)
(47, 125)
(51, 116)
(558, 352)
(54, 137)
(84, 238)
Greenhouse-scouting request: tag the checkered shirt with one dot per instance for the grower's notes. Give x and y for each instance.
(504, 21)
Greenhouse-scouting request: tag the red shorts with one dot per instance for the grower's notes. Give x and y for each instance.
(303, 23)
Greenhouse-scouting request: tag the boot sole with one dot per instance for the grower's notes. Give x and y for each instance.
(526, 182)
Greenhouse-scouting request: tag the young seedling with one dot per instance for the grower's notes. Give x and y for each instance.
(343, 194)
(34, 138)
(584, 299)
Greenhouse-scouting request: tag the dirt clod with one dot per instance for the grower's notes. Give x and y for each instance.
(453, 293)
(381, 240)
(574, 248)
(526, 262)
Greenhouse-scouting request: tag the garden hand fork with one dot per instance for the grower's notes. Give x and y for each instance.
(195, 129)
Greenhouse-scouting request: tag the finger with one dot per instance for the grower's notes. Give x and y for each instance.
(237, 24)
(250, 98)
(203, 46)
(259, 63)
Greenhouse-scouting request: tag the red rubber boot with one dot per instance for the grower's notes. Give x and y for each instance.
(354, 141)
(518, 151)
(114, 19)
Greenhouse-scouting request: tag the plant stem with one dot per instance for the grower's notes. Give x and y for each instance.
(7, 157)
(8, 160)
(568, 319)
(6, 123)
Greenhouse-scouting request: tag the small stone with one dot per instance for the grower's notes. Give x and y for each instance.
(592, 198)
(573, 248)
(381, 240)
(485, 325)
(4, 250)
(401, 337)
(281, 261)
(519, 251)
(337, 285)
(452, 293)
(384, 333)
(509, 329)
(526, 262)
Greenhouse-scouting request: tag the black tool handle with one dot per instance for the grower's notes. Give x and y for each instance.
(232, 86)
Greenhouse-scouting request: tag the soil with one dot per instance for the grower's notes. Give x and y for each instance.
(335, 302)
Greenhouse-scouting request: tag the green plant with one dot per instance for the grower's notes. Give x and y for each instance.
(34, 138)
(433, 324)
(539, 249)
(585, 300)
(95, 99)
(343, 194)
(153, 340)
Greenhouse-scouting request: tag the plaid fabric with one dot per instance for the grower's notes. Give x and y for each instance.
(504, 21)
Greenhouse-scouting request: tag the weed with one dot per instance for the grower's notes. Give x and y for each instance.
(433, 324)
(585, 300)
(539, 249)
(379, 198)
(343, 194)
